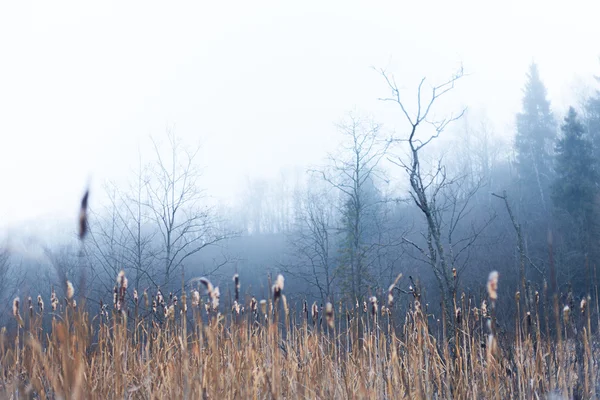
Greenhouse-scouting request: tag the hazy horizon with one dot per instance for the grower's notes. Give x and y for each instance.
(260, 86)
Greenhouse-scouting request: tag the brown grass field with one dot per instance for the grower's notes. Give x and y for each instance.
(162, 348)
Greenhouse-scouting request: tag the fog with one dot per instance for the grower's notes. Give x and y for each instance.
(264, 91)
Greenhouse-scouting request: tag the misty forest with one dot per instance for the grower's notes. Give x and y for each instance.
(435, 256)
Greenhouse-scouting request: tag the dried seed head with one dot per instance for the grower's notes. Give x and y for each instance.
(537, 297)
(122, 280)
(15, 308)
(458, 314)
(53, 300)
(314, 312)
(517, 296)
(454, 274)
(154, 306)
(278, 287)
(305, 307)
(70, 290)
(329, 315)
(263, 306)
(146, 301)
(492, 285)
(83, 225)
(135, 296)
(484, 308)
(215, 298)
(236, 283)
(253, 304)
(74, 303)
(195, 298)
(582, 305)
(236, 307)
(365, 307)
(374, 305)
(40, 302)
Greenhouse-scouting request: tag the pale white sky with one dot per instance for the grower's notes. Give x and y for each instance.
(259, 84)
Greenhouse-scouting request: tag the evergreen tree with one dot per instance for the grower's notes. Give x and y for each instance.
(536, 132)
(574, 190)
(592, 111)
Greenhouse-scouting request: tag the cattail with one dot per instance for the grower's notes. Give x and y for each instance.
(314, 312)
(171, 311)
(207, 308)
(70, 290)
(53, 300)
(16, 312)
(374, 306)
(183, 303)
(484, 309)
(492, 285)
(305, 308)
(236, 283)
(476, 313)
(215, 298)
(566, 312)
(135, 296)
(253, 305)
(30, 303)
(278, 287)
(146, 301)
(74, 303)
(263, 307)
(235, 307)
(195, 298)
(517, 296)
(365, 307)
(83, 225)
(160, 300)
(154, 306)
(582, 305)
(174, 301)
(329, 315)
(454, 274)
(115, 296)
(40, 303)
(458, 313)
(537, 297)
(15, 309)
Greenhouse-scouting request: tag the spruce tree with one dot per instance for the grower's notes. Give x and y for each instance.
(536, 132)
(574, 189)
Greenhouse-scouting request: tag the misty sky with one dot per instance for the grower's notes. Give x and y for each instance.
(258, 84)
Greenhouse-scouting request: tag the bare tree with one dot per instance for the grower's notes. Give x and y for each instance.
(443, 201)
(353, 173)
(185, 222)
(313, 242)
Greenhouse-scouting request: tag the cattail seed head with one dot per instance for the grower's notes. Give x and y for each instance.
(314, 312)
(83, 224)
(236, 283)
(15, 308)
(374, 305)
(135, 296)
(40, 303)
(517, 296)
(253, 305)
(53, 300)
(195, 298)
(146, 301)
(329, 317)
(216, 294)
(263, 306)
(70, 290)
(582, 305)
(454, 274)
(492, 285)
(566, 311)
(278, 287)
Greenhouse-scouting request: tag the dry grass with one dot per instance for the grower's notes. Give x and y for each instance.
(196, 352)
